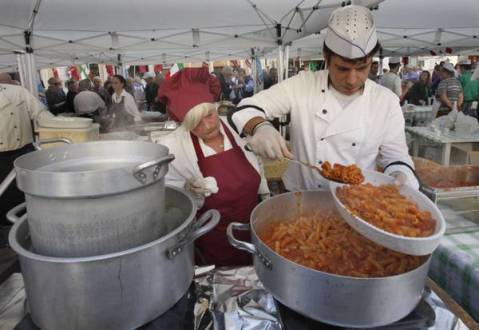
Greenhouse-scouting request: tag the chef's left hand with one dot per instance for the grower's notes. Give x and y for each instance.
(400, 178)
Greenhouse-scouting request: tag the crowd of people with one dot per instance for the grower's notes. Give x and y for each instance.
(449, 85)
(143, 92)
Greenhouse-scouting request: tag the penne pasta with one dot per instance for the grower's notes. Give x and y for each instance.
(334, 247)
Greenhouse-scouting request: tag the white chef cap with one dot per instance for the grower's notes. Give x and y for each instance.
(394, 60)
(351, 32)
(148, 74)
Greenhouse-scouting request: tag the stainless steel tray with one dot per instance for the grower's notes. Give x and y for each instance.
(446, 182)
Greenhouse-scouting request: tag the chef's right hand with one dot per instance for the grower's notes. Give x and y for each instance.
(268, 143)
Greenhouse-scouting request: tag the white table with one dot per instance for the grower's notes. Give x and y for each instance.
(418, 115)
(445, 139)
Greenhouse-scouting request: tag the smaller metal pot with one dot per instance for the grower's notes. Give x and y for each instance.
(93, 198)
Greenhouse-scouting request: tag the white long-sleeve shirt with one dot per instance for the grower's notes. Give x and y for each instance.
(367, 131)
(130, 104)
(18, 107)
(185, 166)
(391, 81)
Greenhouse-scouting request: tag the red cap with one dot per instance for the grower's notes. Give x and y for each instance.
(188, 88)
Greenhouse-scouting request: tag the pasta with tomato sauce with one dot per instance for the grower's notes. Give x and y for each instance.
(347, 174)
(325, 242)
(385, 207)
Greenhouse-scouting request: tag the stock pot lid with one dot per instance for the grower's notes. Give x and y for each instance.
(91, 169)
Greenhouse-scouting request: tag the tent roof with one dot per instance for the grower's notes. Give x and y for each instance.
(411, 27)
(152, 31)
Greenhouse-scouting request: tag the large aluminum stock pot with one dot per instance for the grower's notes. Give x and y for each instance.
(339, 300)
(122, 290)
(93, 198)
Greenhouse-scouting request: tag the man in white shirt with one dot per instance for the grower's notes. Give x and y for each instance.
(18, 107)
(337, 115)
(391, 79)
(87, 102)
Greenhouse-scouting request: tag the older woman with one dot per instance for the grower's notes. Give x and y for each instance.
(211, 161)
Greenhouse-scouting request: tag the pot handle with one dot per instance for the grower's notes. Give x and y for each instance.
(12, 215)
(38, 145)
(248, 247)
(141, 176)
(204, 224)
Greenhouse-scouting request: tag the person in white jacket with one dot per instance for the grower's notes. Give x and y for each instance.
(210, 161)
(337, 115)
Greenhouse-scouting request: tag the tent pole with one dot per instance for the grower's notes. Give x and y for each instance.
(254, 71)
(21, 68)
(280, 63)
(34, 76)
(286, 61)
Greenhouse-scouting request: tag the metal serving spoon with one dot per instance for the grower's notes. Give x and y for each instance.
(314, 167)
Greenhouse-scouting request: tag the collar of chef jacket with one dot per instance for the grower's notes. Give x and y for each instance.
(348, 119)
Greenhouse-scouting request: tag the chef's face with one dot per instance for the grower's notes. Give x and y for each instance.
(348, 77)
(209, 126)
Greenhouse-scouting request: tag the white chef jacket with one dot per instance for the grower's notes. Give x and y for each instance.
(368, 131)
(18, 107)
(130, 104)
(392, 81)
(185, 166)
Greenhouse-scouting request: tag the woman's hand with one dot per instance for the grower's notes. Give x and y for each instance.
(201, 187)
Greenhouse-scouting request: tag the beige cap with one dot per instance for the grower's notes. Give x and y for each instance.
(449, 67)
(351, 32)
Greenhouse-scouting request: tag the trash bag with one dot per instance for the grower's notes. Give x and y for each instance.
(466, 124)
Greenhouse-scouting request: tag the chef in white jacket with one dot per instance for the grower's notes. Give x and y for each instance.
(210, 161)
(337, 115)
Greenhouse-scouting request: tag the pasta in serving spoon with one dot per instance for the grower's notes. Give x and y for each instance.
(338, 173)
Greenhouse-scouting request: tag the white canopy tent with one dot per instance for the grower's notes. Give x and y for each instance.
(414, 28)
(62, 33)
(151, 31)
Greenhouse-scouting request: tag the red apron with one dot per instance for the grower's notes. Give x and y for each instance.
(238, 184)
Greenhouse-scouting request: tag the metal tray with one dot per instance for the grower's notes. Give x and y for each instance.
(446, 182)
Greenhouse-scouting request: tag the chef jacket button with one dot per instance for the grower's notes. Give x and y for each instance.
(354, 144)
(14, 126)
(322, 91)
(319, 186)
(322, 139)
(11, 113)
(18, 139)
(325, 111)
(320, 161)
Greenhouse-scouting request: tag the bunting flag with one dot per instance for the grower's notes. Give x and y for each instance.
(74, 73)
(313, 66)
(83, 72)
(142, 69)
(158, 68)
(175, 68)
(110, 70)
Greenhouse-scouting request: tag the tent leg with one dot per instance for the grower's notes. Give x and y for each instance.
(21, 68)
(280, 63)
